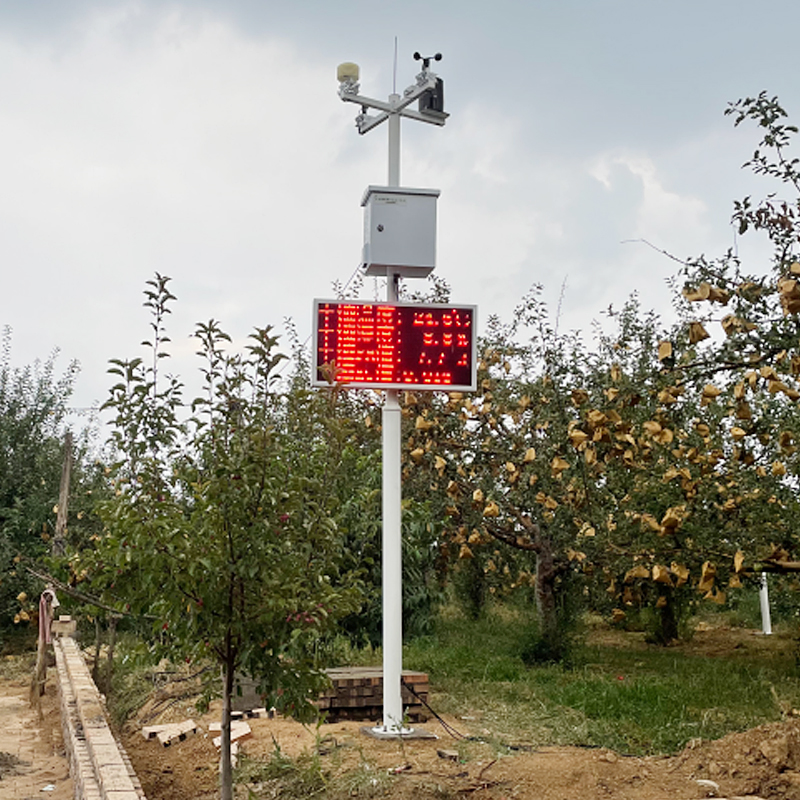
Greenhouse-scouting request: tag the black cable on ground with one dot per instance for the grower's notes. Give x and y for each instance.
(457, 734)
(449, 728)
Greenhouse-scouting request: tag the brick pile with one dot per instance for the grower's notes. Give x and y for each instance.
(357, 693)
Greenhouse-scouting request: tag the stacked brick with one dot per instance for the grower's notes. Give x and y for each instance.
(99, 765)
(357, 693)
(171, 732)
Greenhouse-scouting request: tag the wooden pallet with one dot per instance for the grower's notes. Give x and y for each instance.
(357, 693)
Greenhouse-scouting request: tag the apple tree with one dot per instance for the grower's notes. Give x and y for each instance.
(221, 527)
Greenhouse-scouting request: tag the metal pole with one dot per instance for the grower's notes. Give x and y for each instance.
(763, 596)
(394, 145)
(392, 544)
(392, 566)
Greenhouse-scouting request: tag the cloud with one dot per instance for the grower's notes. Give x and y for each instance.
(206, 141)
(662, 215)
(663, 212)
(158, 141)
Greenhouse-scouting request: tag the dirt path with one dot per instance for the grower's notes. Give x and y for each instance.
(32, 759)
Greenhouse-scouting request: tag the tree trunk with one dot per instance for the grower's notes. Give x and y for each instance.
(112, 640)
(40, 673)
(546, 609)
(97, 640)
(225, 765)
(667, 625)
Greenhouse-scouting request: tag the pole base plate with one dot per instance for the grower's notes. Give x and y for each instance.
(382, 732)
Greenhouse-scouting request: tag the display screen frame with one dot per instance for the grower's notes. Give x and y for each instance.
(320, 361)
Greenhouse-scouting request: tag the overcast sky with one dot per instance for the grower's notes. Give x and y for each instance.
(205, 140)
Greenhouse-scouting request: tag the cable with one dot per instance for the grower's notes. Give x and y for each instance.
(452, 731)
(449, 728)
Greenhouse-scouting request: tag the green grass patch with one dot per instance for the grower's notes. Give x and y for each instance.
(632, 697)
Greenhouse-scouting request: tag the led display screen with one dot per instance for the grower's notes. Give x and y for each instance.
(394, 346)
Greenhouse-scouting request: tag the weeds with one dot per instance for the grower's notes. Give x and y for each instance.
(282, 776)
(364, 781)
(617, 692)
(136, 678)
(635, 700)
(16, 667)
(308, 775)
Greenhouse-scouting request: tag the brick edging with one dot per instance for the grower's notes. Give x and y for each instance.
(99, 766)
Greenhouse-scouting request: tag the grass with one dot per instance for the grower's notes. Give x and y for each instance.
(137, 678)
(635, 699)
(618, 693)
(17, 641)
(17, 667)
(282, 776)
(307, 775)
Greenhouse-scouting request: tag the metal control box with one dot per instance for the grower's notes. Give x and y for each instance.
(399, 231)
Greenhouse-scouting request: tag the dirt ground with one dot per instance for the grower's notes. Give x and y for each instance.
(33, 763)
(763, 762)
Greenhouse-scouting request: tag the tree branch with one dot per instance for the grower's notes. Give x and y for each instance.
(45, 577)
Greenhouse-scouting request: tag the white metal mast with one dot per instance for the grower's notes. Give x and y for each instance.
(428, 90)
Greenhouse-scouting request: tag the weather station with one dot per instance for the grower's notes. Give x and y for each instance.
(394, 346)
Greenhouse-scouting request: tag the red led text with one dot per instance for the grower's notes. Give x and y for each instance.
(401, 346)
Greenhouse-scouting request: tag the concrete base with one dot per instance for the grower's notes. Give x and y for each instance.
(379, 732)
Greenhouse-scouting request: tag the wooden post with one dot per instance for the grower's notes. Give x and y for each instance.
(112, 640)
(97, 642)
(59, 547)
(40, 673)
